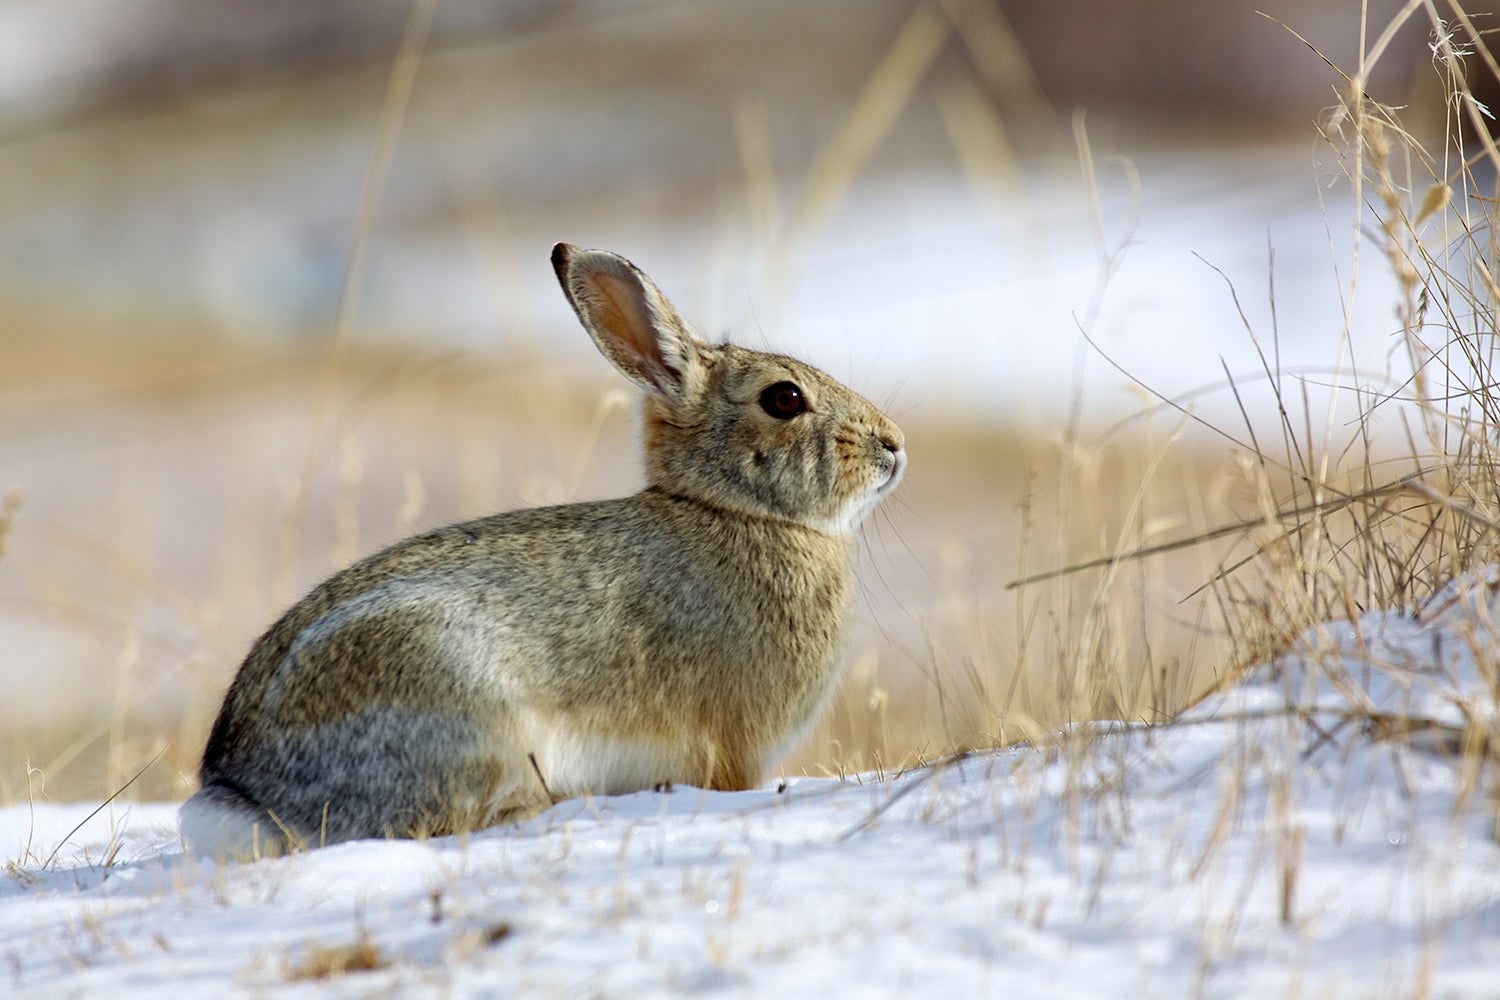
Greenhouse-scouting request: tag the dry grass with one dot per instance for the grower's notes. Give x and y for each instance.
(1382, 511)
(335, 961)
(958, 659)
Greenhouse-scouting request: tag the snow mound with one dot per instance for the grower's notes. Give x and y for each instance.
(1324, 828)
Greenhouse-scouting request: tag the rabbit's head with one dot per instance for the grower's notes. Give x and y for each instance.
(738, 429)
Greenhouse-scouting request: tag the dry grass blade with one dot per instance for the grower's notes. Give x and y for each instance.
(932, 772)
(1225, 530)
(884, 96)
(984, 146)
(335, 961)
(8, 508)
(100, 808)
(1453, 55)
(377, 175)
(999, 57)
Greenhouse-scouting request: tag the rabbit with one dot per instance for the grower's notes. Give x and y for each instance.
(477, 674)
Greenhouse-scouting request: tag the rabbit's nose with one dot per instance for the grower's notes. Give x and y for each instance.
(893, 459)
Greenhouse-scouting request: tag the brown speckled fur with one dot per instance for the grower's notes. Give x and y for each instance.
(687, 634)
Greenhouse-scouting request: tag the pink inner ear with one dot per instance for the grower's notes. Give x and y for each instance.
(620, 309)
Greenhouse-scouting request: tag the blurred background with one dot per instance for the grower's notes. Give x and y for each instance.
(274, 291)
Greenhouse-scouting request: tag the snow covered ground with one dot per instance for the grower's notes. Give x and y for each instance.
(1314, 831)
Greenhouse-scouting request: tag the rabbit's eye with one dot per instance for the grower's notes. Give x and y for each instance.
(783, 400)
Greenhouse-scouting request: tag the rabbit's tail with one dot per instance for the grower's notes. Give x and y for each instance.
(220, 821)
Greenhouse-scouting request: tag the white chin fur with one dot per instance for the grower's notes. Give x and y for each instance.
(854, 511)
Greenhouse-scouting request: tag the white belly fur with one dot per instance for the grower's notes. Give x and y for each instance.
(578, 763)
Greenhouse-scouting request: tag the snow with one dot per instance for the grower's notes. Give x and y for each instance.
(1311, 831)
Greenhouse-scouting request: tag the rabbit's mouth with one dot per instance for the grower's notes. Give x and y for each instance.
(889, 467)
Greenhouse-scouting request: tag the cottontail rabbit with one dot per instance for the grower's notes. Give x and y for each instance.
(483, 671)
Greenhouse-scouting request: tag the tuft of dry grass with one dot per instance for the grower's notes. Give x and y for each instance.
(1387, 511)
(336, 961)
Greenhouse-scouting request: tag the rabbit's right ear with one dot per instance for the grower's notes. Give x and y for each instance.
(631, 321)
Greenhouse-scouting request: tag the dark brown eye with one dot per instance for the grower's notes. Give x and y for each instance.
(783, 400)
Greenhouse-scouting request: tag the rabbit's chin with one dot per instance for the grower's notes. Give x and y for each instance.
(854, 510)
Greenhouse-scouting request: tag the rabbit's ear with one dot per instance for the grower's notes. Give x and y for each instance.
(631, 321)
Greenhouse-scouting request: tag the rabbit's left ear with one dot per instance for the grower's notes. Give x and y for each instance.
(631, 322)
